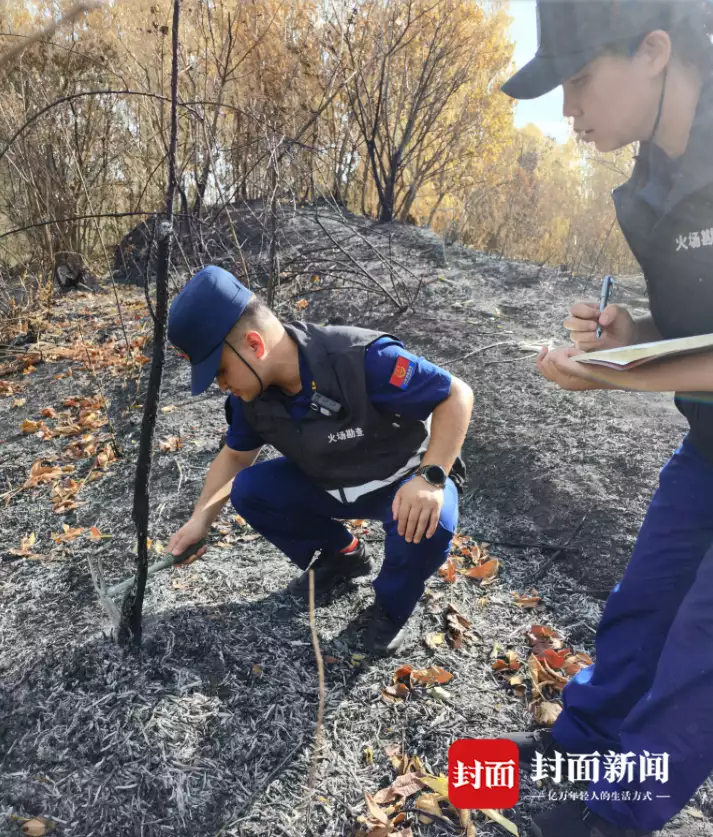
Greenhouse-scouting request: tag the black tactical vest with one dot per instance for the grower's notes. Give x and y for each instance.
(675, 250)
(359, 446)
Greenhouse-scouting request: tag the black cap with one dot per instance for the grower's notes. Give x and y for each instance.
(571, 33)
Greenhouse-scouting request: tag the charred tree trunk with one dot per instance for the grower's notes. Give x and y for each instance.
(132, 605)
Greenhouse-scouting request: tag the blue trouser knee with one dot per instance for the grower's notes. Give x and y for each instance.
(300, 518)
(651, 687)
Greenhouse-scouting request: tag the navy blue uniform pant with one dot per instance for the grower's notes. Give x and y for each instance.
(651, 686)
(281, 503)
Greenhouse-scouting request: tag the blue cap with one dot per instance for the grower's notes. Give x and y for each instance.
(201, 317)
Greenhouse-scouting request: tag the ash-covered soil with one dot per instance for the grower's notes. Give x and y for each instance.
(210, 729)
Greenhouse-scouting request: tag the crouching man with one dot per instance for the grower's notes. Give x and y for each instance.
(365, 428)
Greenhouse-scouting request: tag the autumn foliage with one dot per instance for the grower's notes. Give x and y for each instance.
(391, 108)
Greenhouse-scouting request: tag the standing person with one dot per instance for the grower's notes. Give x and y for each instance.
(366, 428)
(640, 71)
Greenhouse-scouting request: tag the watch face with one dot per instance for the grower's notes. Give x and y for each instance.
(435, 474)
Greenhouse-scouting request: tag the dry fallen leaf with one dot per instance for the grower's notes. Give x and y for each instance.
(68, 535)
(484, 571)
(170, 445)
(29, 426)
(448, 571)
(433, 640)
(527, 600)
(169, 408)
(18, 402)
(402, 673)
(368, 756)
(36, 827)
(431, 676)
(576, 662)
(402, 787)
(497, 817)
(28, 542)
(547, 712)
(301, 304)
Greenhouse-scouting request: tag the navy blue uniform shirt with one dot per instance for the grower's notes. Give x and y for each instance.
(427, 387)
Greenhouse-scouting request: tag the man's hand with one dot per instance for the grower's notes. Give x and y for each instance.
(618, 327)
(559, 366)
(417, 508)
(188, 534)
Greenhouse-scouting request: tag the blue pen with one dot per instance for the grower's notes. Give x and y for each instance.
(607, 288)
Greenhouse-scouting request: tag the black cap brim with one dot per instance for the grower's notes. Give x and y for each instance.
(545, 73)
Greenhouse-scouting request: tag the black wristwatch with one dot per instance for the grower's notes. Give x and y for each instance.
(434, 475)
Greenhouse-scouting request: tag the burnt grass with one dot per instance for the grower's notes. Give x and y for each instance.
(210, 728)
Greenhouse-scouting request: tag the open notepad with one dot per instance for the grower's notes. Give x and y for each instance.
(629, 357)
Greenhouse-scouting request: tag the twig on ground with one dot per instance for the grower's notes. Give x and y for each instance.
(320, 710)
(475, 352)
(269, 779)
(553, 558)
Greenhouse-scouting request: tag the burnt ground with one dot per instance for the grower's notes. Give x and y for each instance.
(210, 729)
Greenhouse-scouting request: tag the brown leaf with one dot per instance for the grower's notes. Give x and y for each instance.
(374, 811)
(68, 534)
(301, 304)
(49, 412)
(554, 659)
(448, 572)
(402, 673)
(399, 690)
(171, 444)
(29, 426)
(527, 601)
(431, 676)
(402, 787)
(576, 662)
(484, 571)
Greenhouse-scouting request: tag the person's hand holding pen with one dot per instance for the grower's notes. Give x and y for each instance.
(614, 323)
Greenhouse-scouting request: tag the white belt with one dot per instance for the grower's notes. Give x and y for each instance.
(349, 495)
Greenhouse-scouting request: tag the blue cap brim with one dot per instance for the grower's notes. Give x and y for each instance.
(203, 373)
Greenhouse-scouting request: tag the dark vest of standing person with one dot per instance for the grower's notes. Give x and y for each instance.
(640, 73)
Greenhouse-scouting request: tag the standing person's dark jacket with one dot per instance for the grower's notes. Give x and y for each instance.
(666, 213)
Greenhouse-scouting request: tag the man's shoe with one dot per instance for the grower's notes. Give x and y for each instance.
(331, 569)
(574, 819)
(383, 636)
(538, 741)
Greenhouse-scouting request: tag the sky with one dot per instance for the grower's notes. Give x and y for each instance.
(545, 112)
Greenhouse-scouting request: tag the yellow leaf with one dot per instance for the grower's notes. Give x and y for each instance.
(18, 402)
(368, 755)
(439, 784)
(169, 408)
(428, 802)
(497, 817)
(433, 640)
(546, 713)
(29, 426)
(28, 542)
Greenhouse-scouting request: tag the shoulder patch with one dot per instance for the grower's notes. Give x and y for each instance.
(403, 372)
